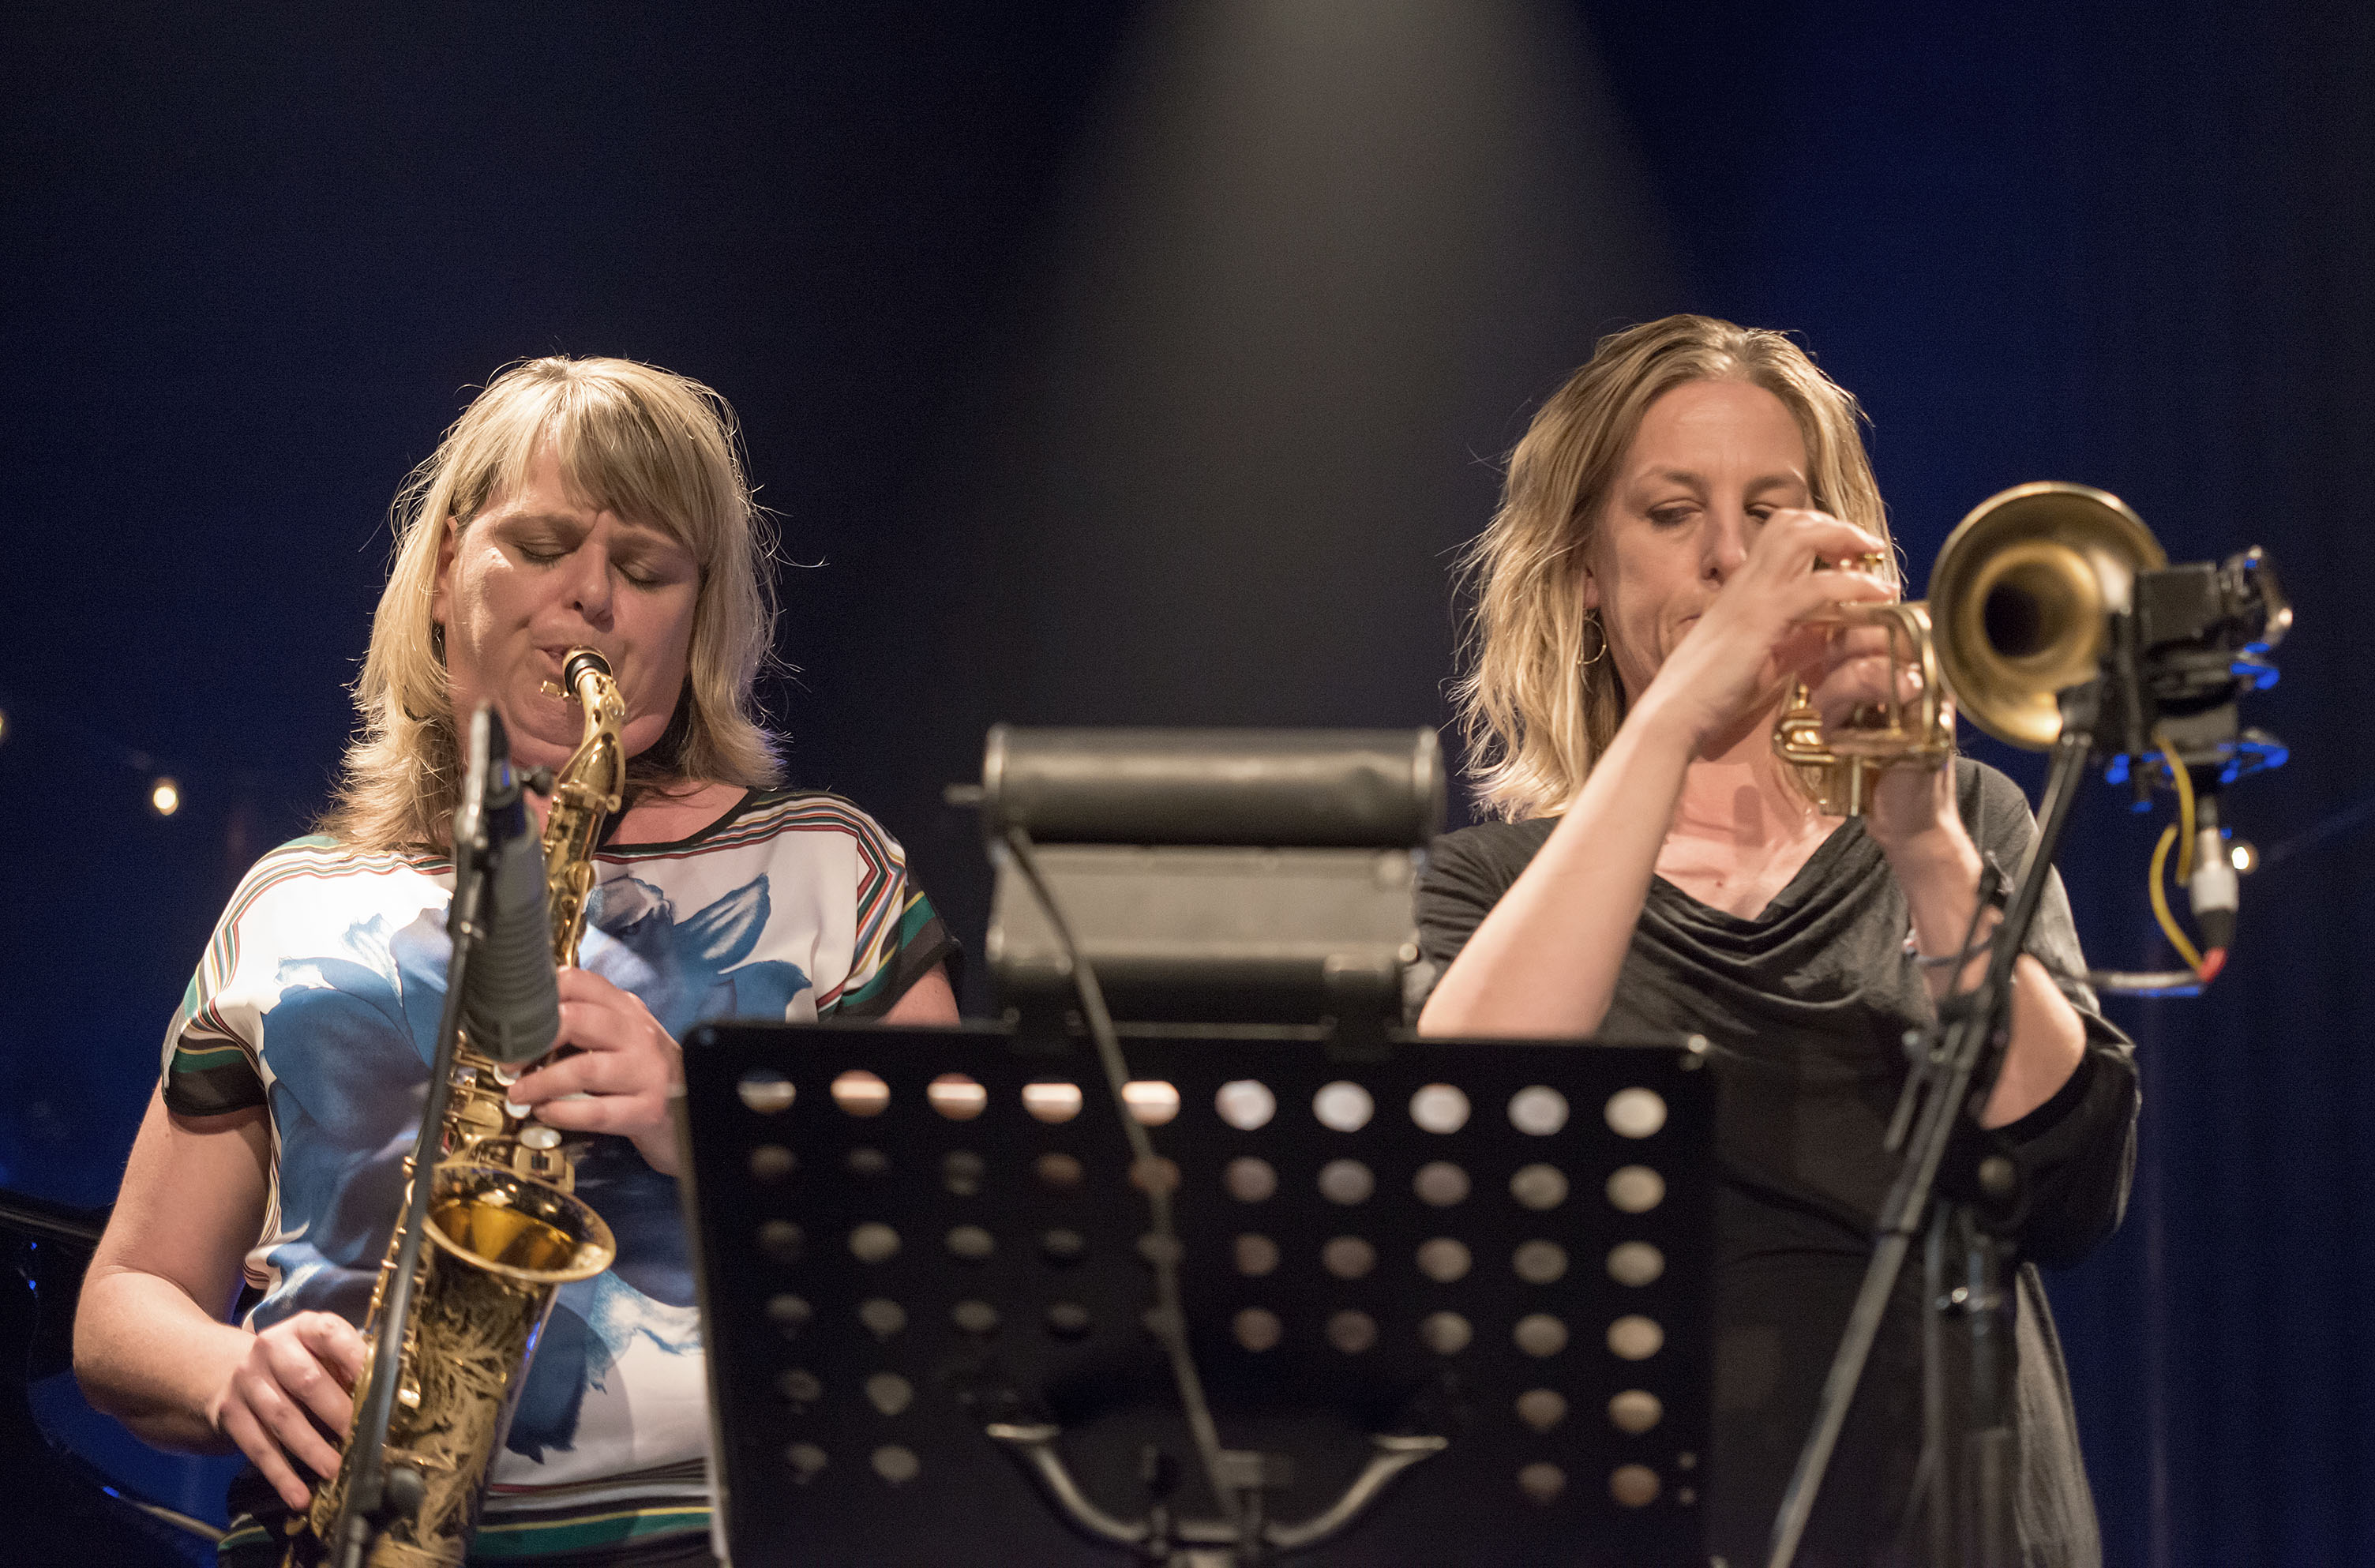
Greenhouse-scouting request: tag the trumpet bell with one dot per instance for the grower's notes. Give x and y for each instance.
(2020, 598)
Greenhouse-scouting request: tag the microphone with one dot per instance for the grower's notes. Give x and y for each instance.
(511, 1001)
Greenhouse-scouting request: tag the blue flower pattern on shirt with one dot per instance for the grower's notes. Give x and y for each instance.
(350, 1042)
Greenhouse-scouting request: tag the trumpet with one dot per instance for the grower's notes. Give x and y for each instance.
(2019, 610)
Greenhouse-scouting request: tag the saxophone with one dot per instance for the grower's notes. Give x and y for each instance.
(504, 1229)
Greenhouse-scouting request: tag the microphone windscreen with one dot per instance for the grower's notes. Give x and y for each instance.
(512, 1003)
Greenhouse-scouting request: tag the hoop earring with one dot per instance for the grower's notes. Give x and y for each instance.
(1591, 619)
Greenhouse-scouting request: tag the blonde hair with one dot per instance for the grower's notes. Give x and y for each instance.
(1538, 699)
(654, 447)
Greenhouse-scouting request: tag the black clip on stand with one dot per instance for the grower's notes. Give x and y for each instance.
(1956, 1070)
(380, 1496)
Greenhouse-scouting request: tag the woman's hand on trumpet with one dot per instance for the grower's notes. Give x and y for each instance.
(1911, 813)
(1732, 653)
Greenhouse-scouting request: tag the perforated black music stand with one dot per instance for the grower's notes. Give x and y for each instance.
(888, 1275)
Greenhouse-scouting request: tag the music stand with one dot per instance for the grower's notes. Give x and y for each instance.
(890, 1273)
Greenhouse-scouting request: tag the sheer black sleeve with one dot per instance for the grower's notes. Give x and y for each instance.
(2077, 1151)
(1466, 874)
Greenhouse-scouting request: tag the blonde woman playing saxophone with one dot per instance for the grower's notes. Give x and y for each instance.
(590, 503)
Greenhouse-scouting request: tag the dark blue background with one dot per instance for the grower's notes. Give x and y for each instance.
(1141, 365)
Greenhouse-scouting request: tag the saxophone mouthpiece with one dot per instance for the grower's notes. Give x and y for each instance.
(579, 661)
(573, 668)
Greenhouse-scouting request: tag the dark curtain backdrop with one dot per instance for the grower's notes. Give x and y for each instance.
(1144, 364)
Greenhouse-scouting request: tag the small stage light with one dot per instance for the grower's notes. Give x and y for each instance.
(2246, 858)
(4, 724)
(164, 797)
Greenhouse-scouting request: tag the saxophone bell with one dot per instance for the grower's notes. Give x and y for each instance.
(502, 1245)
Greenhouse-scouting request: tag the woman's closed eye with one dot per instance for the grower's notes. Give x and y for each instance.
(538, 546)
(634, 569)
(648, 571)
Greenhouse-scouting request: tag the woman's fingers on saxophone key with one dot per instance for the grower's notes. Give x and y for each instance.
(617, 1080)
(305, 1400)
(599, 1092)
(289, 1425)
(263, 1414)
(325, 1362)
(242, 1428)
(567, 1086)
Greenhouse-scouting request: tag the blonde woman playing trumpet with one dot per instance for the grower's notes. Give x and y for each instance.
(1643, 599)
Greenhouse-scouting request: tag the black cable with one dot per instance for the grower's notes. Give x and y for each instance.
(1171, 1325)
(2145, 983)
(1909, 1099)
(44, 1219)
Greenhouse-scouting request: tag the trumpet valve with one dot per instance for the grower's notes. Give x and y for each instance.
(1798, 736)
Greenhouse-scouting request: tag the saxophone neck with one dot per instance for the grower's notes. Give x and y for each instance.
(590, 787)
(596, 773)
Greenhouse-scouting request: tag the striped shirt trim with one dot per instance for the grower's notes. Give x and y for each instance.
(508, 1537)
(504, 1540)
(574, 1520)
(884, 903)
(241, 1537)
(909, 936)
(201, 1040)
(883, 867)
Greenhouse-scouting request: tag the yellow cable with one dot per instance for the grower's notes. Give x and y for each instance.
(2183, 782)
(2161, 911)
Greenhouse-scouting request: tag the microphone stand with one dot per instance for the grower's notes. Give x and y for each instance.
(378, 1495)
(1962, 1053)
